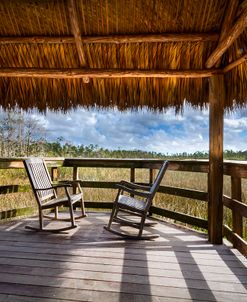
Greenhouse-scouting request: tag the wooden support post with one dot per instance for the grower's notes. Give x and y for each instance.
(215, 178)
(237, 219)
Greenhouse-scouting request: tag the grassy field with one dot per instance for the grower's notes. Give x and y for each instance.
(172, 178)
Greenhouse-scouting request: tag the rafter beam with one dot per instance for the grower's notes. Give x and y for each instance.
(233, 34)
(230, 14)
(229, 18)
(114, 39)
(74, 73)
(76, 31)
(236, 63)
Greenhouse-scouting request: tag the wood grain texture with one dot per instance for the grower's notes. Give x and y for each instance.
(91, 264)
(229, 16)
(236, 30)
(237, 207)
(237, 241)
(75, 28)
(235, 63)
(77, 73)
(114, 39)
(215, 178)
(236, 193)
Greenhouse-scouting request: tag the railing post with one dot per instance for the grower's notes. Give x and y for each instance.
(132, 177)
(237, 219)
(151, 180)
(54, 174)
(75, 177)
(132, 174)
(54, 177)
(151, 176)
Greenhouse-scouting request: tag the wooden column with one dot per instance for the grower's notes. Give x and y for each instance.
(215, 178)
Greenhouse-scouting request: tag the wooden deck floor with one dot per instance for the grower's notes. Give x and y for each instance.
(90, 264)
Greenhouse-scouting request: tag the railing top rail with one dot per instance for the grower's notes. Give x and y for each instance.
(232, 168)
(236, 168)
(17, 162)
(181, 165)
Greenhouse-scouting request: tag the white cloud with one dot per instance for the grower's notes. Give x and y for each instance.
(159, 132)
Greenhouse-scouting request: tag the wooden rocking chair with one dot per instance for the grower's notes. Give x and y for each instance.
(46, 195)
(137, 204)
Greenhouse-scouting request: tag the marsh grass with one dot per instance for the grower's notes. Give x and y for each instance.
(187, 180)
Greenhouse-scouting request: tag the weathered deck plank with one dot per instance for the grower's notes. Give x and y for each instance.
(90, 264)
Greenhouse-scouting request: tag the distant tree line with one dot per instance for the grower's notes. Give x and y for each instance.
(20, 135)
(23, 136)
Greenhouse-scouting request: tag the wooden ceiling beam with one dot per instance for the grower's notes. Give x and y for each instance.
(114, 39)
(236, 63)
(74, 73)
(76, 31)
(229, 16)
(233, 34)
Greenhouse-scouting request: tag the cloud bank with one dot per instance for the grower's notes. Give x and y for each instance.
(144, 130)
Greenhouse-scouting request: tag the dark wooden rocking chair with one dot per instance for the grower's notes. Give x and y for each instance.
(136, 202)
(46, 195)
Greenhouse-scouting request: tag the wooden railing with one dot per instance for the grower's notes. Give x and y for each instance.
(236, 170)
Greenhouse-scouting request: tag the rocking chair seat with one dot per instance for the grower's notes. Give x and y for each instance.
(131, 203)
(56, 202)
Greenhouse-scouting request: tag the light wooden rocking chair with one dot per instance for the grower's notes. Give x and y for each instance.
(137, 204)
(46, 195)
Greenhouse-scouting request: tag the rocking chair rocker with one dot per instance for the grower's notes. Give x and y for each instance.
(137, 206)
(46, 195)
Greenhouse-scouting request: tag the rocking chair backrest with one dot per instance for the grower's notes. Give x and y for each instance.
(159, 178)
(39, 178)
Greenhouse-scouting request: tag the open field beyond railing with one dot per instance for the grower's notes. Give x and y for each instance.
(182, 196)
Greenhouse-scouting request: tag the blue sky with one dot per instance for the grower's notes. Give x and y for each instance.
(145, 130)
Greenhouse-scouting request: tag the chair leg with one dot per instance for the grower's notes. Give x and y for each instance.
(83, 212)
(56, 213)
(72, 215)
(142, 225)
(113, 215)
(41, 220)
(114, 210)
(51, 230)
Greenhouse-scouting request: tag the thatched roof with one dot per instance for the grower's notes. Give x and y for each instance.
(38, 71)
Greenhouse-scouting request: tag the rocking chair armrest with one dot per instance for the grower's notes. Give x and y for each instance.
(53, 187)
(135, 186)
(76, 183)
(69, 182)
(132, 191)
